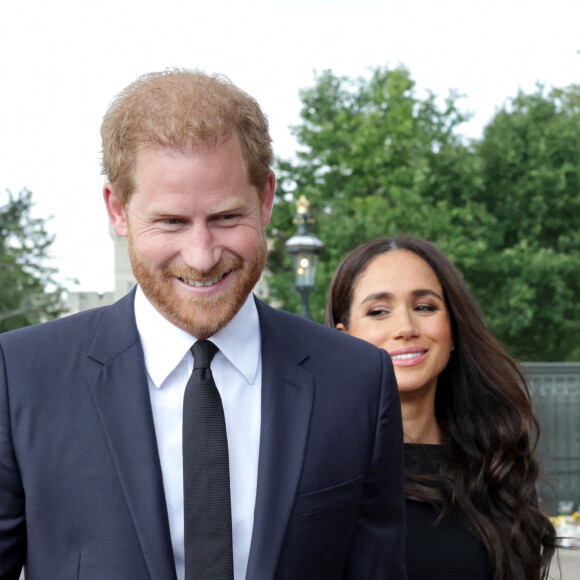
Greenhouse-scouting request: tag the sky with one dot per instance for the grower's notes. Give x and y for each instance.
(63, 61)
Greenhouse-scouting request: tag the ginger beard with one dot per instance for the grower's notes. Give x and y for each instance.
(200, 316)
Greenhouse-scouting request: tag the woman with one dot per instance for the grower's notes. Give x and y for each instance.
(470, 472)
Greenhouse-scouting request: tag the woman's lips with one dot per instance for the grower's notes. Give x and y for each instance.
(408, 356)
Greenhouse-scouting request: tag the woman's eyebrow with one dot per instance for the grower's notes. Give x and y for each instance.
(388, 295)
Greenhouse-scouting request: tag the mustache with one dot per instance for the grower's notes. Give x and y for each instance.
(222, 268)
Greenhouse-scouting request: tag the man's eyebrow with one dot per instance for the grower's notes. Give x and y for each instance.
(228, 206)
(388, 295)
(225, 208)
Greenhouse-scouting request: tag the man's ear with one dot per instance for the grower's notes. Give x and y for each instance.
(268, 199)
(340, 326)
(116, 210)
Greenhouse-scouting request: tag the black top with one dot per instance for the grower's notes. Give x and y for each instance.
(446, 550)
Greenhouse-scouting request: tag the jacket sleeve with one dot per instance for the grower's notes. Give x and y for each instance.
(377, 549)
(12, 516)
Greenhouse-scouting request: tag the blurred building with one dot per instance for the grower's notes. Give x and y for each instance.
(124, 281)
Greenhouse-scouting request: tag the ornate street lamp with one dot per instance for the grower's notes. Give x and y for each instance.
(304, 249)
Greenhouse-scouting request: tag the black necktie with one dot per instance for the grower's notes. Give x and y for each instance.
(206, 474)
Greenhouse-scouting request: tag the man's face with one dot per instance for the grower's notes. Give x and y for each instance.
(196, 233)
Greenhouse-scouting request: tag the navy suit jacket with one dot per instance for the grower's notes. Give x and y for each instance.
(81, 489)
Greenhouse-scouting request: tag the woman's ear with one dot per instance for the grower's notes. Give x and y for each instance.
(340, 326)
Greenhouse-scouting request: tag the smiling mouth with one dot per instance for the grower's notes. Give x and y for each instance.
(407, 356)
(203, 283)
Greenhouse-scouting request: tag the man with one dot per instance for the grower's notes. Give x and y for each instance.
(94, 433)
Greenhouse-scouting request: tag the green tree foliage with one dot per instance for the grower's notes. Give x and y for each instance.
(530, 280)
(28, 291)
(375, 159)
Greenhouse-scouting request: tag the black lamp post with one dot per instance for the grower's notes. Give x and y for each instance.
(304, 249)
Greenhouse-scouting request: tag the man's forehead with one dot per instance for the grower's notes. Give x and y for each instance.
(189, 145)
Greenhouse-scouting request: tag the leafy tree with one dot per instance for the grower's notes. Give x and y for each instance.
(530, 279)
(28, 291)
(375, 159)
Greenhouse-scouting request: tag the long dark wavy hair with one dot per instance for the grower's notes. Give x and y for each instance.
(484, 411)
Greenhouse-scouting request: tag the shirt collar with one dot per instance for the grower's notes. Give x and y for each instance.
(165, 345)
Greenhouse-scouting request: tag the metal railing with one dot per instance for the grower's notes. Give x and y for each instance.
(556, 398)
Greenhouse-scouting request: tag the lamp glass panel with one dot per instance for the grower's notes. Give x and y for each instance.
(305, 264)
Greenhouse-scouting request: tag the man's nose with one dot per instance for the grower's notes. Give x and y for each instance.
(200, 250)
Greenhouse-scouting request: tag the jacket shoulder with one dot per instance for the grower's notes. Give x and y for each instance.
(70, 331)
(297, 332)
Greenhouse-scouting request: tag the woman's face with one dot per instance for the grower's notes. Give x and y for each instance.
(398, 305)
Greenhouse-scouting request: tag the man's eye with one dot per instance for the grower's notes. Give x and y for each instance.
(173, 221)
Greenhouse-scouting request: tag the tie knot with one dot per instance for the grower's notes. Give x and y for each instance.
(203, 353)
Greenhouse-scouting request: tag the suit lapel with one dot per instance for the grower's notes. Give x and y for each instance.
(287, 396)
(121, 397)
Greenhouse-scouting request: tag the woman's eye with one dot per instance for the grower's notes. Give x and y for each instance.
(426, 308)
(376, 312)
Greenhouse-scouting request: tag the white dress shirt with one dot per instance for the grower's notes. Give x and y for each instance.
(237, 371)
